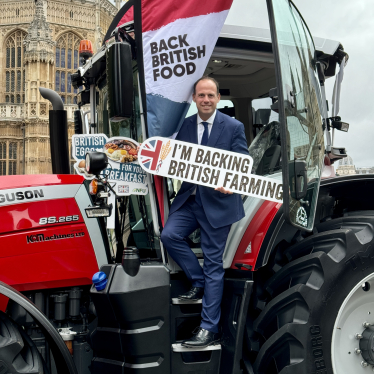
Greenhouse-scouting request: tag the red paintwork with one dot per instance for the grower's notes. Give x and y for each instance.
(159, 185)
(30, 264)
(158, 13)
(18, 181)
(255, 234)
(47, 264)
(27, 215)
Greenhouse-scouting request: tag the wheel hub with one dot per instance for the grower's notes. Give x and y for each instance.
(367, 345)
(352, 344)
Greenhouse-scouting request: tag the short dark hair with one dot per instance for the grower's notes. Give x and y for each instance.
(207, 77)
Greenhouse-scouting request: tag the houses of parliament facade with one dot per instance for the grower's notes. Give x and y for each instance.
(40, 42)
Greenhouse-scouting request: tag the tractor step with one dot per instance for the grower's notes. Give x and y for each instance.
(195, 360)
(176, 301)
(180, 348)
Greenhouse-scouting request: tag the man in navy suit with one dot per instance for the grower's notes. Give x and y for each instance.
(213, 211)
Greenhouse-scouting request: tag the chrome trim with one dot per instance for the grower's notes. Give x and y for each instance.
(53, 192)
(144, 366)
(144, 329)
(179, 348)
(176, 301)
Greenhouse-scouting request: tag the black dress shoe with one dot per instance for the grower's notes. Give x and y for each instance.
(195, 293)
(202, 339)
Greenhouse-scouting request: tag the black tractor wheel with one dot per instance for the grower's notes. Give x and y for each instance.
(319, 314)
(18, 353)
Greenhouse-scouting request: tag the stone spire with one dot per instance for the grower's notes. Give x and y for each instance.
(118, 4)
(39, 43)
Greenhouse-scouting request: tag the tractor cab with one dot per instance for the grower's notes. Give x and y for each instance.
(283, 109)
(273, 81)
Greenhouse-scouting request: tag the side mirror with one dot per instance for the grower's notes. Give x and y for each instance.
(337, 153)
(96, 162)
(120, 81)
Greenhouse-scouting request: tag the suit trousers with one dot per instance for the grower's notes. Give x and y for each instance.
(182, 223)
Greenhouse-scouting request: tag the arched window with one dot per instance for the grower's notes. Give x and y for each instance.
(2, 158)
(14, 69)
(8, 158)
(67, 62)
(12, 159)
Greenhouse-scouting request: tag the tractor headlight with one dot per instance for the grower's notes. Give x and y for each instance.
(99, 211)
(96, 162)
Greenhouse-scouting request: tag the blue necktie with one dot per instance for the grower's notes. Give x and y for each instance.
(204, 141)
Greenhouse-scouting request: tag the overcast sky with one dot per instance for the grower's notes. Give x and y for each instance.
(351, 23)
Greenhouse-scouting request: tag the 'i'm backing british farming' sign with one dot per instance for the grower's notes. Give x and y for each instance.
(207, 166)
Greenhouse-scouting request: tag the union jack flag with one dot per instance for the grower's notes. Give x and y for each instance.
(150, 154)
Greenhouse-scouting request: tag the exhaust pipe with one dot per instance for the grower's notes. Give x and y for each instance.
(58, 132)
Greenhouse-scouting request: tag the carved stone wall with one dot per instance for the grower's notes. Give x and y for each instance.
(24, 131)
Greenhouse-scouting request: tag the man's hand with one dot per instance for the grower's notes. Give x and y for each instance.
(223, 190)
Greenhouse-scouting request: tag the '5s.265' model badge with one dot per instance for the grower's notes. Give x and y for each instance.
(46, 220)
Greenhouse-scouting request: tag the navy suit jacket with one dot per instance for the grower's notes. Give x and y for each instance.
(227, 133)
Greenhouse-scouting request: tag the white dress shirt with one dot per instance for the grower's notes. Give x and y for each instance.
(200, 131)
(200, 126)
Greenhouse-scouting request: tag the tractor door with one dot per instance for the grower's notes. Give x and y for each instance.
(297, 99)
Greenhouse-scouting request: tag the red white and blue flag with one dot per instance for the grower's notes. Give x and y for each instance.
(178, 41)
(149, 157)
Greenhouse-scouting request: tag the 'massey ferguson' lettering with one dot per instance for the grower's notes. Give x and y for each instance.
(21, 195)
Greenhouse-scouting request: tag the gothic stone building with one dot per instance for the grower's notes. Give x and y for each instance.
(39, 48)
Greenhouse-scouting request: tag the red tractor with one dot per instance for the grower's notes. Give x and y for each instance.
(298, 274)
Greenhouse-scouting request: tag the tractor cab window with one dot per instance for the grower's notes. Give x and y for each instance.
(266, 146)
(266, 150)
(224, 106)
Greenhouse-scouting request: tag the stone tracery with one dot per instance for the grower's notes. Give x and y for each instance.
(67, 62)
(14, 68)
(24, 116)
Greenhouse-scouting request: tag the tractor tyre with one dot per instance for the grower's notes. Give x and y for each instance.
(320, 308)
(18, 353)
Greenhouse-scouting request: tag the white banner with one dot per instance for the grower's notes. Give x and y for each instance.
(207, 166)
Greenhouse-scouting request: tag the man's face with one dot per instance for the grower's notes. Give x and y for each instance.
(206, 98)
